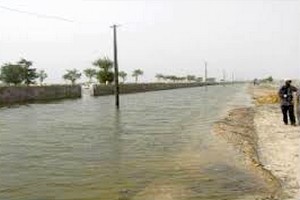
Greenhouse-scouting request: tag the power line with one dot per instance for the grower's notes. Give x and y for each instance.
(35, 14)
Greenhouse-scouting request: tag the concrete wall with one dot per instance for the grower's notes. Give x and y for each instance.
(101, 90)
(23, 94)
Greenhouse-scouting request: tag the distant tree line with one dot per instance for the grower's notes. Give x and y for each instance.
(269, 79)
(23, 72)
(173, 78)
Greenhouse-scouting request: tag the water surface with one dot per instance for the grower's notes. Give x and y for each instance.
(158, 146)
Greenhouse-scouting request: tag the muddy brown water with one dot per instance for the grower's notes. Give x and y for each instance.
(158, 146)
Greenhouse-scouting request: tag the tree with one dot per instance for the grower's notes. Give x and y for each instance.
(136, 73)
(30, 74)
(199, 79)
(181, 78)
(171, 78)
(191, 78)
(105, 77)
(105, 73)
(267, 80)
(12, 74)
(123, 75)
(42, 75)
(72, 75)
(90, 73)
(159, 76)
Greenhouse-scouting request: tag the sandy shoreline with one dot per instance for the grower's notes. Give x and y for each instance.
(279, 147)
(278, 144)
(238, 129)
(271, 148)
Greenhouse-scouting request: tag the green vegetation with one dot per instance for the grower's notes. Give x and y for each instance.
(123, 75)
(72, 75)
(136, 73)
(267, 80)
(105, 74)
(90, 73)
(42, 75)
(12, 74)
(199, 79)
(190, 78)
(18, 73)
(30, 74)
(159, 77)
(173, 78)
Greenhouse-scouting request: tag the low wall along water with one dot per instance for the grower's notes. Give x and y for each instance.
(24, 94)
(101, 90)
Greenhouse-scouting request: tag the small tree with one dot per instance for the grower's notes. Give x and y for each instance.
(181, 78)
(199, 79)
(159, 77)
(123, 75)
(42, 75)
(72, 75)
(136, 73)
(190, 78)
(12, 74)
(90, 73)
(269, 79)
(171, 78)
(105, 73)
(30, 74)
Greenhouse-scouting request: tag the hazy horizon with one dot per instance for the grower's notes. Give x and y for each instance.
(249, 38)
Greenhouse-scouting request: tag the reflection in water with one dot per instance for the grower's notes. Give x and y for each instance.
(158, 146)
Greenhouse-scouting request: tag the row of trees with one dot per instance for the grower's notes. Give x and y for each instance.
(103, 72)
(174, 78)
(21, 72)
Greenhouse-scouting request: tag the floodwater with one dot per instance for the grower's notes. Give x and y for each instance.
(158, 146)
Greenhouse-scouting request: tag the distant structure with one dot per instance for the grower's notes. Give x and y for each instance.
(199, 79)
(211, 80)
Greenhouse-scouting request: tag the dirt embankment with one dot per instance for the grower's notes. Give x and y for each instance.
(238, 129)
(271, 148)
(279, 148)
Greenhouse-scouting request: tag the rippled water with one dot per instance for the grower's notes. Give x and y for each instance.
(158, 146)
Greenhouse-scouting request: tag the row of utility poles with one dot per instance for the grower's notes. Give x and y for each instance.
(116, 68)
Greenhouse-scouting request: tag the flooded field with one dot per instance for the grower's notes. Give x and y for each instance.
(158, 146)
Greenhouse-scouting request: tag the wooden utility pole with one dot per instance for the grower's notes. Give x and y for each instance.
(205, 73)
(116, 78)
(224, 75)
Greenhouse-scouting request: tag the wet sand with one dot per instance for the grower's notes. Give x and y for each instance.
(270, 148)
(238, 129)
(279, 148)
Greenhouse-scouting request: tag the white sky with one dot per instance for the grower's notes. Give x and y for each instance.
(250, 38)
